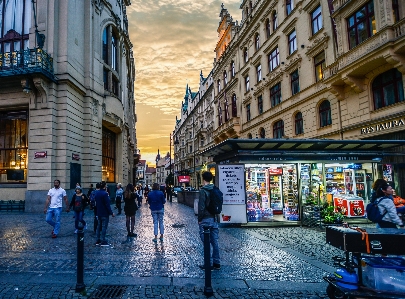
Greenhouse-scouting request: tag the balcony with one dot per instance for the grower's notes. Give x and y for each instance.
(30, 61)
(229, 129)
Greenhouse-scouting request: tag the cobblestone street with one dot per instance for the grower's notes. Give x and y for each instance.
(255, 262)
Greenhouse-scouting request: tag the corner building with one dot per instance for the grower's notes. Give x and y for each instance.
(67, 107)
(302, 70)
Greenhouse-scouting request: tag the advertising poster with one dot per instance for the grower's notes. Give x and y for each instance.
(231, 181)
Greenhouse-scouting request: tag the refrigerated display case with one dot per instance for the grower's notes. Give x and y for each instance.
(355, 182)
(275, 188)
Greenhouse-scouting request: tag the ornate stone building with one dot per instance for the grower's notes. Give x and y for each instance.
(67, 107)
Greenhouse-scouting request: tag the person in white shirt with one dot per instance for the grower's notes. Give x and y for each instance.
(53, 206)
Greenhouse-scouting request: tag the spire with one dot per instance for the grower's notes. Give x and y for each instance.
(201, 76)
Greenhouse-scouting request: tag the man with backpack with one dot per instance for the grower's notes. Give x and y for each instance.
(209, 207)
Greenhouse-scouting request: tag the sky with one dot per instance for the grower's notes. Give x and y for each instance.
(173, 41)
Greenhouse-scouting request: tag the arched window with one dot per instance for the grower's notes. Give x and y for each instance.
(262, 133)
(226, 110)
(299, 124)
(225, 78)
(267, 28)
(274, 20)
(234, 109)
(110, 54)
(257, 41)
(325, 114)
(388, 89)
(278, 129)
(249, 136)
(15, 23)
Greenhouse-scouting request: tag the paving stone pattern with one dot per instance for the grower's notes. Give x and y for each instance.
(247, 262)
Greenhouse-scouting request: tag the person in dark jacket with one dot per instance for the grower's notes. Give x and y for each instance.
(130, 209)
(387, 208)
(156, 200)
(81, 199)
(103, 214)
(205, 218)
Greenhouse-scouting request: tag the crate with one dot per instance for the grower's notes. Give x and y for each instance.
(384, 273)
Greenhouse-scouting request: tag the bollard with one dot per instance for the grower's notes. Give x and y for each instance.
(208, 291)
(80, 259)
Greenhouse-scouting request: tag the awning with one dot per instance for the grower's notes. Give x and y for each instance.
(302, 149)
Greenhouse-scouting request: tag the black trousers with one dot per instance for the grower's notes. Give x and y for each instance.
(118, 204)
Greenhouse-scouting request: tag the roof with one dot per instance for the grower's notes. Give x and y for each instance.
(302, 149)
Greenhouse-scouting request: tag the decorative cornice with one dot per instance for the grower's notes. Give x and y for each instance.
(272, 45)
(317, 45)
(290, 26)
(293, 64)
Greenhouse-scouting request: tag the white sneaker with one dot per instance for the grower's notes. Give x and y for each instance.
(76, 231)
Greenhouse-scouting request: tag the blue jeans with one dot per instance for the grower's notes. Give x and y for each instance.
(79, 218)
(158, 220)
(50, 214)
(102, 227)
(214, 235)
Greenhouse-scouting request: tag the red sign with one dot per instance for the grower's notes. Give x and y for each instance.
(341, 205)
(356, 208)
(184, 179)
(40, 155)
(75, 157)
(275, 171)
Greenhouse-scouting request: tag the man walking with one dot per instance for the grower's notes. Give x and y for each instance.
(53, 207)
(103, 214)
(205, 218)
(169, 193)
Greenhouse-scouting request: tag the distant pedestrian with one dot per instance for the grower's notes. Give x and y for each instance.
(169, 193)
(130, 209)
(78, 204)
(156, 200)
(103, 214)
(138, 196)
(146, 192)
(53, 206)
(205, 218)
(91, 189)
(118, 197)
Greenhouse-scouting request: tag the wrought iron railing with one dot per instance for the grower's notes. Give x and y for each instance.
(29, 61)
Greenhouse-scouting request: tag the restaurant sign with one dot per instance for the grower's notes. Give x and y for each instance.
(383, 126)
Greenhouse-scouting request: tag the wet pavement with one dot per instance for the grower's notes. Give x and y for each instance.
(255, 262)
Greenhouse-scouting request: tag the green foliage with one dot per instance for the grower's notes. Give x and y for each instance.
(330, 216)
(170, 179)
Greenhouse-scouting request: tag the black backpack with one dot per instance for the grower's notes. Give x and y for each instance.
(373, 213)
(216, 201)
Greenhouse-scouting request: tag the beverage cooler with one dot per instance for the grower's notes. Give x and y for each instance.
(275, 188)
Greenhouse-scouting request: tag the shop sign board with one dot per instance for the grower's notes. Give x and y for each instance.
(75, 157)
(400, 122)
(40, 155)
(275, 171)
(184, 179)
(231, 181)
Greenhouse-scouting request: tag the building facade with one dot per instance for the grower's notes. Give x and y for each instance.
(67, 107)
(325, 69)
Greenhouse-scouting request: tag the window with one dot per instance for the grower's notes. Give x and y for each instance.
(299, 124)
(395, 10)
(247, 112)
(219, 114)
(234, 108)
(259, 73)
(278, 129)
(191, 149)
(114, 52)
(388, 89)
(105, 78)
(316, 20)
(13, 146)
(295, 82)
(110, 52)
(260, 104)
(361, 25)
(262, 133)
(15, 23)
(289, 5)
(257, 41)
(275, 20)
(268, 28)
(245, 55)
(249, 136)
(115, 86)
(275, 95)
(225, 78)
(247, 83)
(226, 110)
(319, 62)
(233, 69)
(325, 114)
(292, 42)
(108, 155)
(219, 86)
(274, 59)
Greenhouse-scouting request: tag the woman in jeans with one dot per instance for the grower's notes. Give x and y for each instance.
(156, 200)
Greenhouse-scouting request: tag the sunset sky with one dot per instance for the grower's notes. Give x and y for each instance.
(173, 41)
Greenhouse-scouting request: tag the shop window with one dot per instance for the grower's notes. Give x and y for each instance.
(15, 23)
(234, 108)
(388, 89)
(274, 59)
(248, 112)
(299, 124)
(257, 41)
(262, 133)
(278, 129)
(295, 82)
(274, 20)
(395, 10)
(249, 136)
(319, 62)
(108, 156)
(268, 28)
(247, 85)
(316, 20)
(361, 25)
(325, 114)
(13, 146)
(275, 95)
(292, 42)
(259, 73)
(260, 104)
(289, 5)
